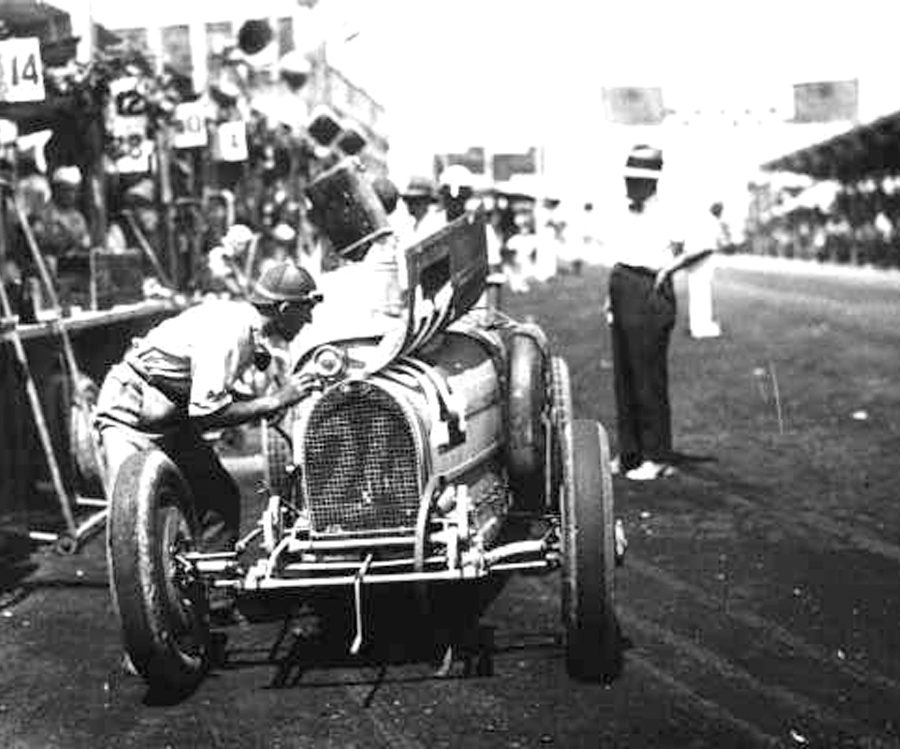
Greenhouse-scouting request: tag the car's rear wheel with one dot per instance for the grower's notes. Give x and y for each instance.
(593, 646)
(162, 607)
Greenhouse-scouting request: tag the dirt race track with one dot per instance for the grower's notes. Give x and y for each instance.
(761, 591)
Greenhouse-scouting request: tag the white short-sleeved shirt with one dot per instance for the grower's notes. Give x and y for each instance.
(203, 352)
(408, 232)
(645, 239)
(361, 299)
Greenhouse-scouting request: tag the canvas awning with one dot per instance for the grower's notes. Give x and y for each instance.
(867, 150)
(17, 13)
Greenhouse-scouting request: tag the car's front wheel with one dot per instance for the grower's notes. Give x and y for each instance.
(162, 606)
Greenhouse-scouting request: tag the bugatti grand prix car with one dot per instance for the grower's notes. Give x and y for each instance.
(405, 469)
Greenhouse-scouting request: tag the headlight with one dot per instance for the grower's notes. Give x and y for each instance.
(330, 362)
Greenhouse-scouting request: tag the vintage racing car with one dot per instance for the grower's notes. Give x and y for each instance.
(403, 470)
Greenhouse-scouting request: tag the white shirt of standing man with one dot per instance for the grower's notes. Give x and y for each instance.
(645, 239)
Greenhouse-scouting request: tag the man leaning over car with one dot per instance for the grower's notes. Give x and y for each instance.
(178, 381)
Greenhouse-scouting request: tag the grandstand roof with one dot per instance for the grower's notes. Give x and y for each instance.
(865, 150)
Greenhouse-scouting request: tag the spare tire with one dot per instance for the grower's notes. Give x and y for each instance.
(84, 442)
(70, 411)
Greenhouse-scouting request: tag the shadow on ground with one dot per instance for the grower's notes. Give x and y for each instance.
(441, 633)
(15, 566)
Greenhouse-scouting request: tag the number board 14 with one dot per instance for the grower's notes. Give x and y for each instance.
(21, 70)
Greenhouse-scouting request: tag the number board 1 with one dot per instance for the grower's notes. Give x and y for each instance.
(231, 141)
(21, 70)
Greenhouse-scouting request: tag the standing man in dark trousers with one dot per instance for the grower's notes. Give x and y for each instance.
(642, 307)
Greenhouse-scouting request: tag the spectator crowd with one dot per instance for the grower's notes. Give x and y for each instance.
(855, 223)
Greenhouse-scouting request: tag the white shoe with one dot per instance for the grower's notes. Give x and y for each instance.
(712, 330)
(614, 467)
(649, 471)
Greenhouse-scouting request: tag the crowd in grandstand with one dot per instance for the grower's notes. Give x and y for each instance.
(856, 223)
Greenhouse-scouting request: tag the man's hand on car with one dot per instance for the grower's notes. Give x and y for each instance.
(297, 388)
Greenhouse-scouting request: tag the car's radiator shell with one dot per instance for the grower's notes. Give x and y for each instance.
(368, 448)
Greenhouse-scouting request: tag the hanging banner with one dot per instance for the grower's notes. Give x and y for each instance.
(826, 101)
(21, 70)
(190, 125)
(632, 105)
(231, 141)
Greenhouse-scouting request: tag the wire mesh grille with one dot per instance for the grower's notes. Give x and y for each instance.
(360, 464)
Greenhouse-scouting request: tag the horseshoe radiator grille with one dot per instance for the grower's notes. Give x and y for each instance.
(360, 464)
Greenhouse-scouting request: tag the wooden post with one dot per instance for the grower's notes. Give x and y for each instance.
(3, 237)
(164, 161)
(96, 184)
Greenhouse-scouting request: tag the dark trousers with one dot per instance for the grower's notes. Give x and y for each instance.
(133, 416)
(643, 319)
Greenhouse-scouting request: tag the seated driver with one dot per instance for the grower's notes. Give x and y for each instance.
(365, 296)
(179, 380)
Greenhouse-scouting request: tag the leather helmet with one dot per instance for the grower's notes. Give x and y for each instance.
(285, 282)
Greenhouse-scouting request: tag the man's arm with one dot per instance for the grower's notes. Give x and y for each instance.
(241, 411)
(681, 260)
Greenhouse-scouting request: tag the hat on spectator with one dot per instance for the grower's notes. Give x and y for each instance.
(140, 193)
(285, 282)
(455, 178)
(254, 36)
(644, 162)
(387, 193)
(283, 233)
(238, 234)
(295, 68)
(67, 175)
(419, 187)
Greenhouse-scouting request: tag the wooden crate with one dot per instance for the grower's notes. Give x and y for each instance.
(120, 278)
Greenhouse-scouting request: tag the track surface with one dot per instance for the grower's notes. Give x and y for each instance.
(761, 590)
